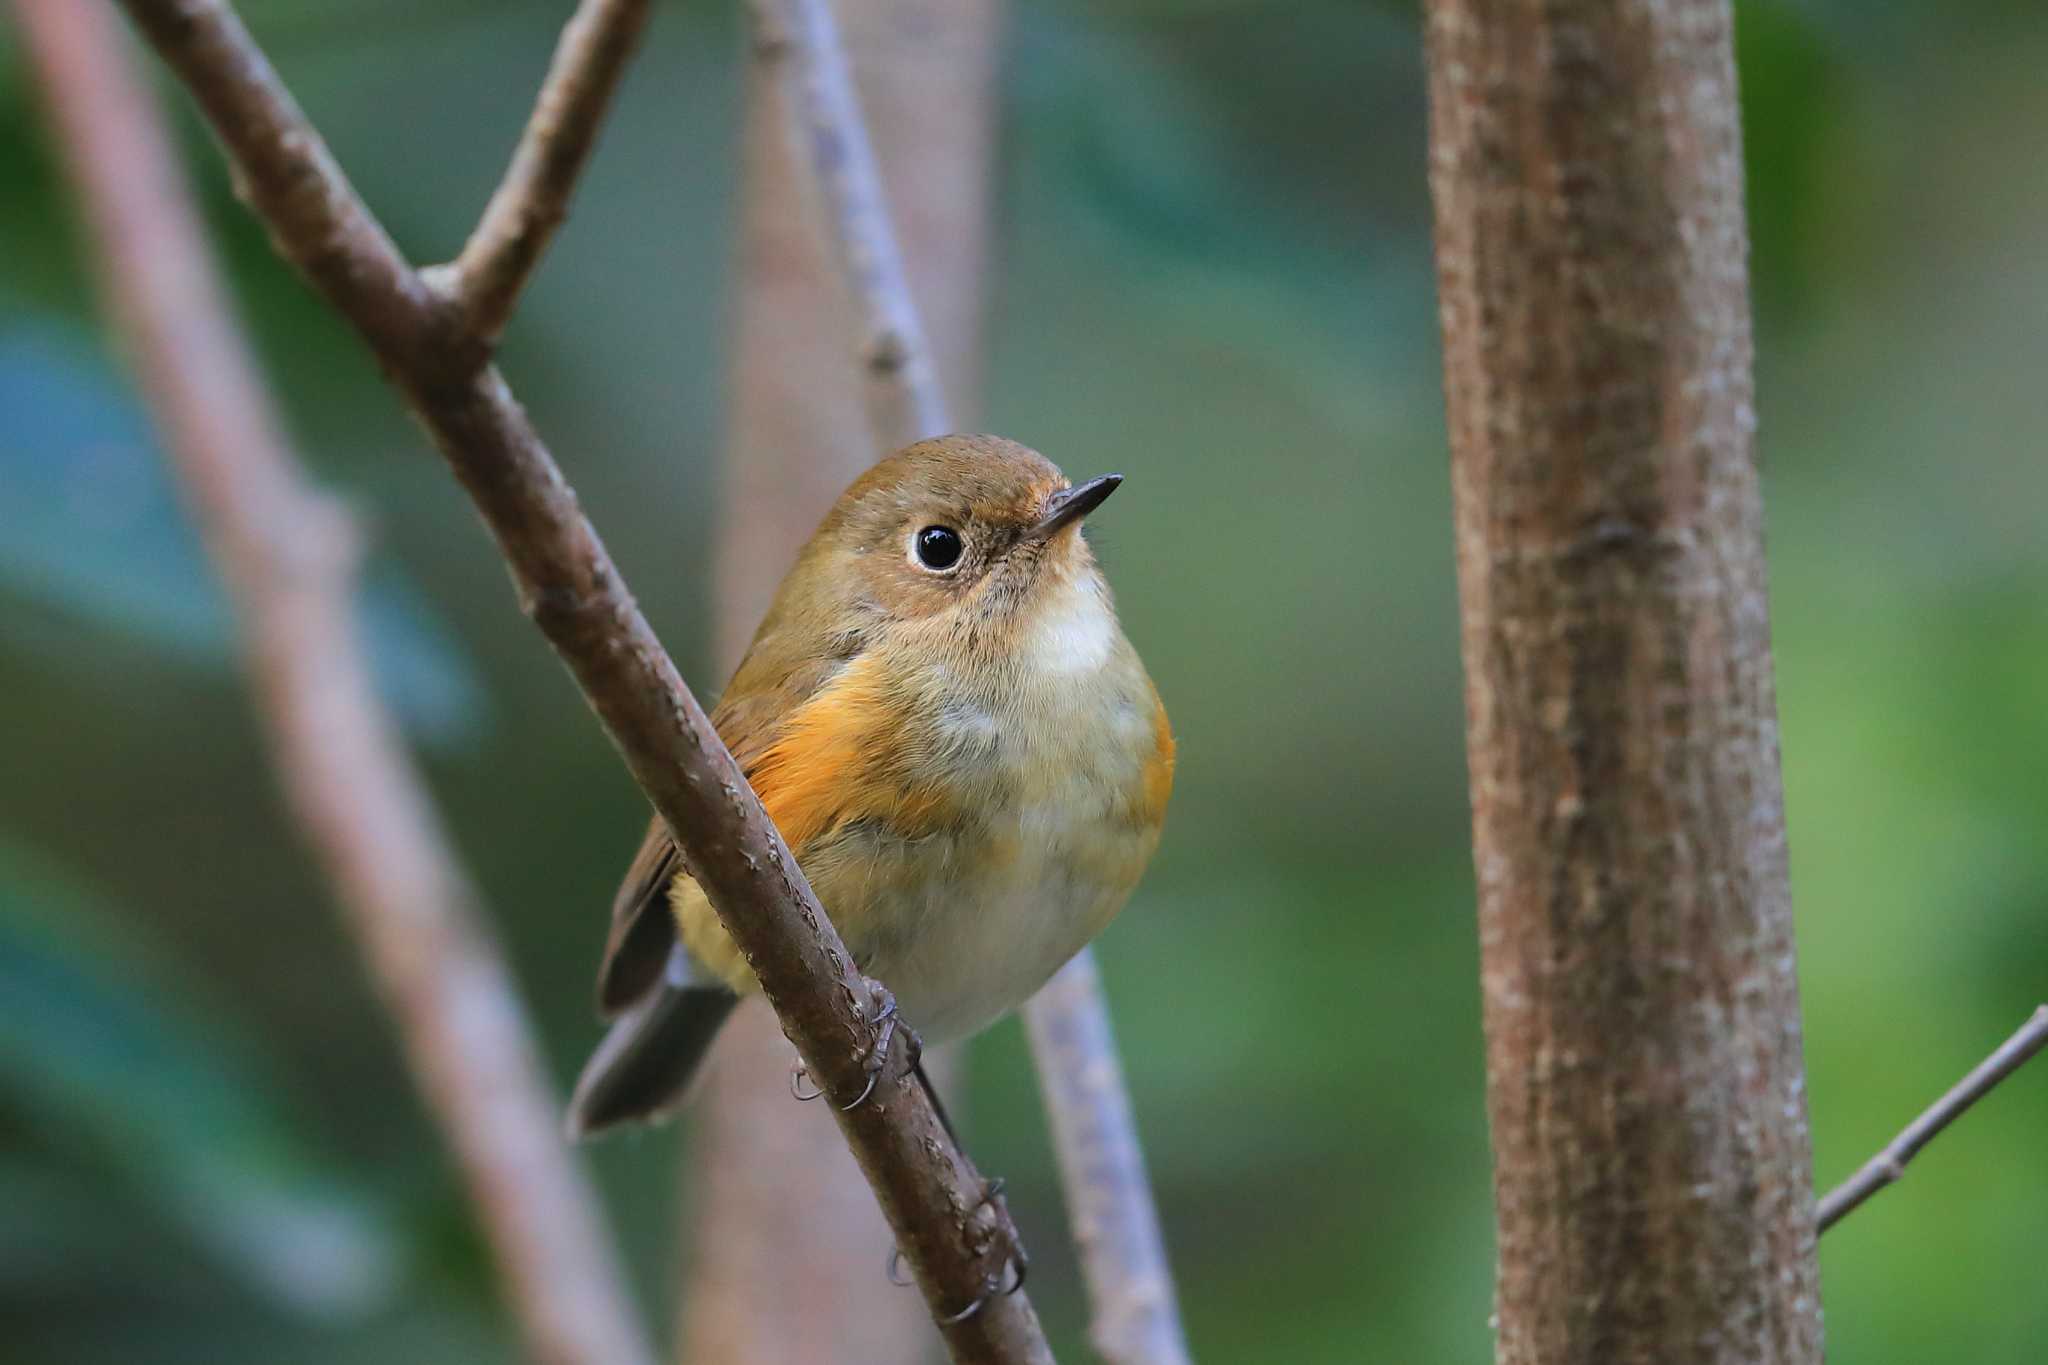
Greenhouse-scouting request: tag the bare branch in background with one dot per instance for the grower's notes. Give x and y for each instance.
(775, 1197)
(288, 554)
(1889, 1165)
(1136, 1320)
(569, 586)
(905, 404)
(533, 199)
(904, 401)
(1652, 1169)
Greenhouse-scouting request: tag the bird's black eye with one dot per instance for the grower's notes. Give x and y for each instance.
(937, 547)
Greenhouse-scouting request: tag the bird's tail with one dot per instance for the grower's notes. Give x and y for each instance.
(643, 1068)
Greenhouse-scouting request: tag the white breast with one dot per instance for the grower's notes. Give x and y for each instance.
(1075, 634)
(1055, 862)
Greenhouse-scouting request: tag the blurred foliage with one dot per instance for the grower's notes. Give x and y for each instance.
(1214, 276)
(94, 532)
(131, 1099)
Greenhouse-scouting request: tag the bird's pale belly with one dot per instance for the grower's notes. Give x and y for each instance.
(964, 923)
(976, 923)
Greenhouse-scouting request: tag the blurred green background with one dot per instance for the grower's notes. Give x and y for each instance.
(1214, 276)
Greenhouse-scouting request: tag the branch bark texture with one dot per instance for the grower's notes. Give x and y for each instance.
(568, 585)
(1130, 1284)
(287, 553)
(778, 1199)
(1644, 1078)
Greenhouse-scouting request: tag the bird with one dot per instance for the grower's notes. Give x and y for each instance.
(963, 751)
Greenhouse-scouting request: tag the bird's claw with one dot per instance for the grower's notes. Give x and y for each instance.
(1016, 1261)
(1015, 1266)
(886, 1022)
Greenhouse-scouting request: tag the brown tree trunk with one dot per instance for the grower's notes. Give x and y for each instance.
(782, 1216)
(1652, 1170)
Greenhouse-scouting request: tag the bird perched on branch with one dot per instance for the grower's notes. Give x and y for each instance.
(944, 719)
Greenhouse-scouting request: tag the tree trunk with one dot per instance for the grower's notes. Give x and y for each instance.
(790, 1248)
(1652, 1168)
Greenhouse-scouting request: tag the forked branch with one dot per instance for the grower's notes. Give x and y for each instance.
(533, 200)
(287, 553)
(568, 584)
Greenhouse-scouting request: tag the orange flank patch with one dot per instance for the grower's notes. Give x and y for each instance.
(1158, 773)
(835, 761)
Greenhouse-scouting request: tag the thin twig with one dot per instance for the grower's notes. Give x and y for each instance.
(288, 554)
(1135, 1319)
(533, 199)
(775, 1198)
(1890, 1164)
(1130, 1285)
(904, 402)
(568, 584)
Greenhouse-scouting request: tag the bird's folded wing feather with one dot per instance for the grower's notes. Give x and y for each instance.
(760, 705)
(642, 930)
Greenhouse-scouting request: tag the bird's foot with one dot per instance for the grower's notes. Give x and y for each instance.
(886, 1021)
(1004, 1236)
(999, 1234)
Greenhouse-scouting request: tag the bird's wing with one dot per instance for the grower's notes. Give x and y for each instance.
(750, 721)
(642, 931)
(833, 759)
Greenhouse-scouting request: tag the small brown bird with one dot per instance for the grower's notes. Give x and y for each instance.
(944, 719)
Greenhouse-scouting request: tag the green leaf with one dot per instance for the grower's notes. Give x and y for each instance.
(109, 1066)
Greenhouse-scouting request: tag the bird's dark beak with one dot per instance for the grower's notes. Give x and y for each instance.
(1065, 508)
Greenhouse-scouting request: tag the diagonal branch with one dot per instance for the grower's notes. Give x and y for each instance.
(1134, 1314)
(904, 402)
(569, 586)
(1130, 1284)
(288, 554)
(533, 199)
(289, 179)
(1889, 1165)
